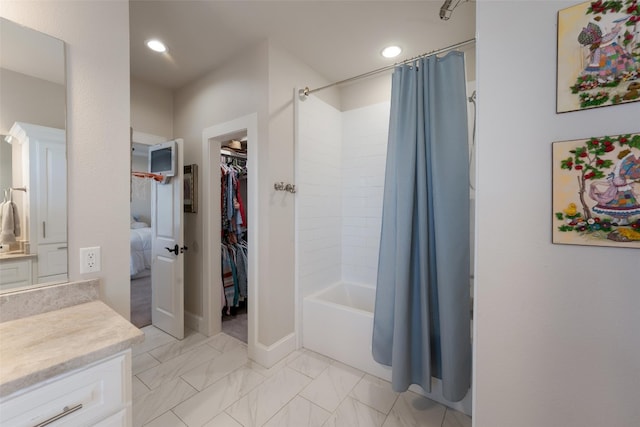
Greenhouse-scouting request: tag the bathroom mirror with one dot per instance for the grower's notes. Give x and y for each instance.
(33, 160)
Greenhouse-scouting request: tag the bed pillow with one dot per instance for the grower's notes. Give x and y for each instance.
(138, 224)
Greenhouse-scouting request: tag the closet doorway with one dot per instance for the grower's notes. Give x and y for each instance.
(234, 235)
(231, 238)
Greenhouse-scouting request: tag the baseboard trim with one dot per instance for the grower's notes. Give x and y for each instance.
(193, 321)
(268, 356)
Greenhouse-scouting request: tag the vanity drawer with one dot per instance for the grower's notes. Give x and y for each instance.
(14, 274)
(81, 398)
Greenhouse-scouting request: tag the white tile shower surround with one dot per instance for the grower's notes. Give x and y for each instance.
(210, 382)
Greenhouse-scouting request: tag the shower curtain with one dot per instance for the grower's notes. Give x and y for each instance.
(422, 319)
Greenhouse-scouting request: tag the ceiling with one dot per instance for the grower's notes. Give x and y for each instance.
(337, 38)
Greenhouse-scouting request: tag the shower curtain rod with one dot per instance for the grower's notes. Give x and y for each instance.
(306, 91)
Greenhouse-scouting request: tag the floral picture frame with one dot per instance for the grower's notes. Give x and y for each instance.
(598, 60)
(596, 191)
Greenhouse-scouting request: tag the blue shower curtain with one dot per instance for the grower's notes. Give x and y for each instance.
(422, 319)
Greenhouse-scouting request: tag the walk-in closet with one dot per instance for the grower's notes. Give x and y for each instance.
(233, 237)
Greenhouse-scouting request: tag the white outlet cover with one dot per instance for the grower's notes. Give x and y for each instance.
(90, 260)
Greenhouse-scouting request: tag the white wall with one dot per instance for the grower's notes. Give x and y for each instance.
(28, 99)
(364, 153)
(97, 129)
(556, 338)
(277, 302)
(151, 108)
(319, 197)
(235, 90)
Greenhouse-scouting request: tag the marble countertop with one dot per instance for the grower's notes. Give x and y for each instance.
(39, 347)
(15, 255)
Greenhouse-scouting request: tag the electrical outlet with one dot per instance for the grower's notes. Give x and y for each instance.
(89, 260)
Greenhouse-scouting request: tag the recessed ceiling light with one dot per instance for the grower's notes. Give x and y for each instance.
(391, 51)
(156, 45)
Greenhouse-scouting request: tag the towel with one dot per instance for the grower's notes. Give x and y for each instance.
(9, 222)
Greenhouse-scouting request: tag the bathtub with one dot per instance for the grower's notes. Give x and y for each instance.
(338, 322)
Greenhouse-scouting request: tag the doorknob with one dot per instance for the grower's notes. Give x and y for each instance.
(174, 250)
(183, 249)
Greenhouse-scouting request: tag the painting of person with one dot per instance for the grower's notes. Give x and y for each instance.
(618, 199)
(598, 55)
(607, 60)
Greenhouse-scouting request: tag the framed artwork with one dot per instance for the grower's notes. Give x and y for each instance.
(598, 55)
(596, 191)
(191, 188)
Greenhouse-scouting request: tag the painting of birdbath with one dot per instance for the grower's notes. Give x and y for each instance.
(596, 191)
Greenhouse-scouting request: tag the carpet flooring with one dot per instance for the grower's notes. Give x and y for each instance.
(236, 325)
(141, 301)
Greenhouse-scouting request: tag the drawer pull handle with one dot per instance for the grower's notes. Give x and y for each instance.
(62, 247)
(65, 411)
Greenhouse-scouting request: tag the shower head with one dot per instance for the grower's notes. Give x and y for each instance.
(447, 8)
(445, 12)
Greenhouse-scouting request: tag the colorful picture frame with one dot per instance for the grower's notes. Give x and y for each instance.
(596, 191)
(191, 188)
(598, 61)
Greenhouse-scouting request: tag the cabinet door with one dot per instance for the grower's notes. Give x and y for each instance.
(14, 274)
(81, 398)
(52, 260)
(52, 192)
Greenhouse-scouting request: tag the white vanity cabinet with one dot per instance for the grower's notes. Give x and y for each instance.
(96, 395)
(44, 206)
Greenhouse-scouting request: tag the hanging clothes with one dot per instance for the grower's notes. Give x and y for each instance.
(231, 203)
(233, 229)
(234, 274)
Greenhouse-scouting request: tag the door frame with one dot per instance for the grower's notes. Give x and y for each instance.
(211, 283)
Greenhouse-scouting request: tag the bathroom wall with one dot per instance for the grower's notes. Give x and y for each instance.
(319, 197)
(261, 80)
(556, 340)
(277, 301)
(97, 129)
(235, 90)
(362, 150)
(151, 108)
(28, 99)
(340, 175)
(340, 178)
(364, 153)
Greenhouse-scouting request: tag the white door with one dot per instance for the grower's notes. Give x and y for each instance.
(167, 248)
(51, 210)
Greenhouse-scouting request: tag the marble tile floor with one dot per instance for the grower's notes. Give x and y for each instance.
(210, 381)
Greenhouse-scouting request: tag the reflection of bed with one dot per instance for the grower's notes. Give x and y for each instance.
(140, 252)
